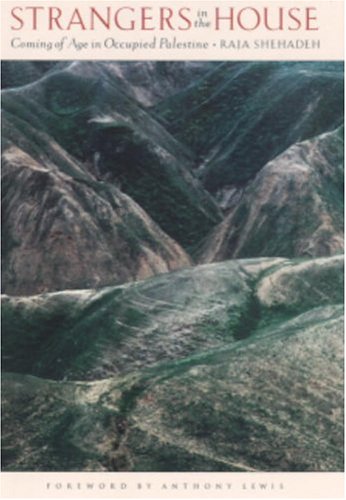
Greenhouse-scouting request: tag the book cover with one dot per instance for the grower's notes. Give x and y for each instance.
(172, 249)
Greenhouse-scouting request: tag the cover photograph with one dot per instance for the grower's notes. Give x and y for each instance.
(172, 249)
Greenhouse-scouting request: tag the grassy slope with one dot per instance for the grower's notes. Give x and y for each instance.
(261, 391)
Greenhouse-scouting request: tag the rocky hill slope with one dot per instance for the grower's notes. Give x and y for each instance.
(69, 144)
(293, 207)
(64, 229)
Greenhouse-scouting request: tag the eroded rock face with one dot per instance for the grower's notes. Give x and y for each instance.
(69, 144)
(293, 207)
(116, 141)
(62, 229)
(239, 377)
